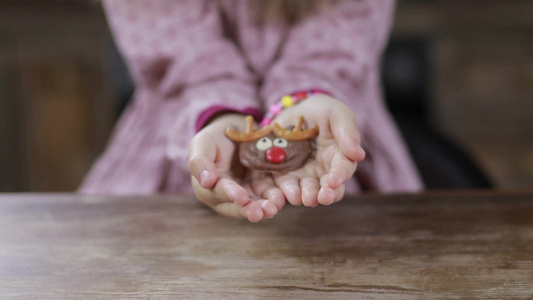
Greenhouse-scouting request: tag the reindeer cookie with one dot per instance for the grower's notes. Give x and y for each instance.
(274, 148)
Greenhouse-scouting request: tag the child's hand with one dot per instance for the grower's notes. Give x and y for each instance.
(321, 180)
(222, 183)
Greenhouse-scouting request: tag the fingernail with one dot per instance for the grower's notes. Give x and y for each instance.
(203, 177)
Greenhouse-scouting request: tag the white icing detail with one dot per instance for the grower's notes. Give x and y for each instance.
(264, 144)
(282, 143)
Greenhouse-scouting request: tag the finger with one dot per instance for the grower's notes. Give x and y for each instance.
(269, 208)
(326, 195)
(339, 193)
(259, 188)
(267, 189)
(229, 209)
(252, 211)
(341, 170)
(227, 190)
(223, 207)
(310, 187)
(344, 128)
(259, 184)
(290, 186)
(201, 162)
(275, 196)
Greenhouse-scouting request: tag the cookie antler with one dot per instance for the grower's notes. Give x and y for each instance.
(249, 134)
(297, 134)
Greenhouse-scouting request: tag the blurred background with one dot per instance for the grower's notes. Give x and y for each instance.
(458, 77)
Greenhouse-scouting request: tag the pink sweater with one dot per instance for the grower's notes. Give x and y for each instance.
(188, 56)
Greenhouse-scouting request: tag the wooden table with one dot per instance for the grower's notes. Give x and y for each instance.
(432, 246)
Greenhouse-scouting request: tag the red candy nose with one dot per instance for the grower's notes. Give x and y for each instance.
(275, 155)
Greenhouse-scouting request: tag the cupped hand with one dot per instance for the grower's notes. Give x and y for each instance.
(222, 183)
(322, 179)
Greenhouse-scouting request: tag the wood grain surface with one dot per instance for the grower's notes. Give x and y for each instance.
(431, 246)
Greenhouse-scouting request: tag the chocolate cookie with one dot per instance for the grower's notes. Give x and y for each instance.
(273, 148)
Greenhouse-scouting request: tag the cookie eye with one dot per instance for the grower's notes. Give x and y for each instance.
(263, 144)
(282, 143)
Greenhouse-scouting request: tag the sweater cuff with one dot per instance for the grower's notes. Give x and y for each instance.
(208, 114)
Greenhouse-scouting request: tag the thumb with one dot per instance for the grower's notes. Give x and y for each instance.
(201, 162)
(344, 128)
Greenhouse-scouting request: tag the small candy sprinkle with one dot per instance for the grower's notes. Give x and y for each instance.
(300, 96)
(266, 122)
(287, 101)
(276, 108)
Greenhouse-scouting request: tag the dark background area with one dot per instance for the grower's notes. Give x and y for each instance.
(461, 70)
